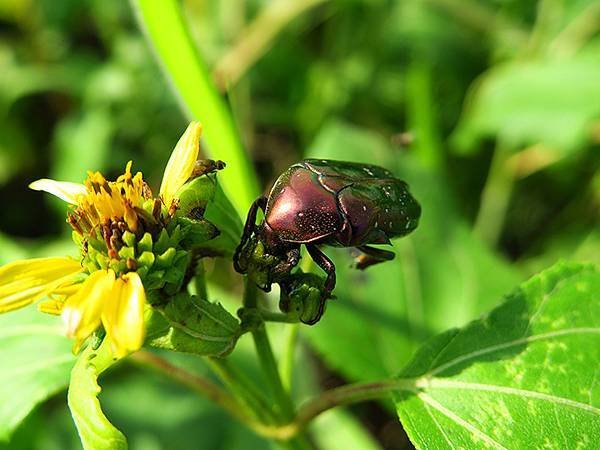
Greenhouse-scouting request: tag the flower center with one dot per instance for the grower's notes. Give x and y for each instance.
(111, 208)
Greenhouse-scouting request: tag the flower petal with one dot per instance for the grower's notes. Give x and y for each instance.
(23, 282)
(65, 190)
(123, 315)
(82, 311)
(181, 163)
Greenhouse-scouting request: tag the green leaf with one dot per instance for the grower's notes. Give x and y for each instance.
(550, 102)
(524, 376)
(190, 324)
(441, 276)
(167, 31)
(95, 430)
(37, 359)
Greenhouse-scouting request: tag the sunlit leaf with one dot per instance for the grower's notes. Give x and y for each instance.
(36, 361)
(524, 376)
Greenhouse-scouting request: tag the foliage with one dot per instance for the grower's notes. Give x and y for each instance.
(501, 380)
(489, 110)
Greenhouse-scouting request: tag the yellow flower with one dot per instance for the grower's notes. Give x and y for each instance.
(103, 211)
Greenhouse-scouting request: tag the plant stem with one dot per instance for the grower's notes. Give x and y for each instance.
(287, 432)
(266, 357)
(199, 384)
(423, 116)
(286, 365)
(267, 361)
(348, 394)
(200, 280)
(344, 395)
(238, 383)
(269, 316)
(495, 197)
(269, 367)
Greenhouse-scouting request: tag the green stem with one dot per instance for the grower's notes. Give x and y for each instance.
(344, 395)
(286, 365)
(422, 115)
(266, 357)
(495, 197)
(199, 384)
(288, 433)
(269, 367)
(168, 33)
(269, 316)
(200, 280)
(239, 384)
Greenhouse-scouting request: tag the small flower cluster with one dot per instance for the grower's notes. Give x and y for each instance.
(131, 245)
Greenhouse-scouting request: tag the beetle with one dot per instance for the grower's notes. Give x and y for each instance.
(324, 202)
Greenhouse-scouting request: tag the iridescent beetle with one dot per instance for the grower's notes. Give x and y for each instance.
(322, 202)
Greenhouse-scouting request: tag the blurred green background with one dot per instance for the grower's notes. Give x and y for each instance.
(490, 109)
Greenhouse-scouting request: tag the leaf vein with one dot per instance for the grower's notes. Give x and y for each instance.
(460, 421)
(451, 384)
(439, 427)
(513, 343)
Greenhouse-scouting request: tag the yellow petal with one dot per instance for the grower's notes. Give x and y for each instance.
(181, 163)
(123, 315)
(82, 311)
(65, 190)
(26, 281)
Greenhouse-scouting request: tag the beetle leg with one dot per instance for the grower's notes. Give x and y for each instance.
(291, 261)
(372, 256)
(327, 265)
(249, 227)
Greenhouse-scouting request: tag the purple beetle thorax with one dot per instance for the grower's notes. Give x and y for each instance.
(300, 209)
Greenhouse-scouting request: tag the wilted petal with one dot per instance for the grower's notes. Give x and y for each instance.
(23, 282)
(181, 163)
(123, 315)
(65, 190)
(82, 311)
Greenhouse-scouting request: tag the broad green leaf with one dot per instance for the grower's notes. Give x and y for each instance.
(524, 376)
(95, 430)
(550, 102)
(190, 324)
(441, 277)
(36, 361)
